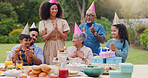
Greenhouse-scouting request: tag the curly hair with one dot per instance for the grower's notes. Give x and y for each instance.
(44, 10)
(123, 33)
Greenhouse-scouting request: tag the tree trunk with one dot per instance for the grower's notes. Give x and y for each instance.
(81, 10)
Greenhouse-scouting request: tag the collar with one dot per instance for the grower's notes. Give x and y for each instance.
(90, 24)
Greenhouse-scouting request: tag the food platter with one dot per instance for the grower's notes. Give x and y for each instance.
(107, 67)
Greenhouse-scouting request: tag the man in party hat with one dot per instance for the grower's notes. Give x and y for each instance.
(24, 51)
(95, 32)
(34, 32)
(116, 19)
(80, 53)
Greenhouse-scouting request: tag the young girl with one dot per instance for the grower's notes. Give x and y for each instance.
(120, 42)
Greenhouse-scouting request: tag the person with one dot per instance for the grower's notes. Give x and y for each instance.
(38, 52)
(95, 32)
(120, 41)
(78, 51)
(52, 28)
(24, 51)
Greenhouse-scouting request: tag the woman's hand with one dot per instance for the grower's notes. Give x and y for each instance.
(73, 55)
(113, 48)
(79, 54)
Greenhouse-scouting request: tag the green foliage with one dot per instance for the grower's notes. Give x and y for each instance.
(70, 36)
(10, 39)
(15, 32)
(28, 12)
(39, 39)
(8, 18)
(132, 35)
(144, 38)
(140, 28)
(107, 26)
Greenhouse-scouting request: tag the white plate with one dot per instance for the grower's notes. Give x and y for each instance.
(12, 73)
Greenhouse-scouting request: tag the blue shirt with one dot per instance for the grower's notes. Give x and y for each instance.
(122, 51)
(91, 40)
(38, 52)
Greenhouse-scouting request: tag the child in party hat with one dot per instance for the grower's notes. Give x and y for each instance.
(24, 52)
(120, 41)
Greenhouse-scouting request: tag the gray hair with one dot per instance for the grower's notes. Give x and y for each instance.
(82, 36)
(92, 11)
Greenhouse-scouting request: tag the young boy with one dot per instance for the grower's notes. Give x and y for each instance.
(24, 51)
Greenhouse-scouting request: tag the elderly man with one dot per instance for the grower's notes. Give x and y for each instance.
(95, 32)
(37, 57)
(80, 53)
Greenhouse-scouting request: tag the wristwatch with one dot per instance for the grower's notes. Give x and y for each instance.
(95, 34)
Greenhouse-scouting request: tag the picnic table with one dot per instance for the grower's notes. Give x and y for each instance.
(139, 71)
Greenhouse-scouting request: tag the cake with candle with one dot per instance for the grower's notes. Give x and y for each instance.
(62, 53)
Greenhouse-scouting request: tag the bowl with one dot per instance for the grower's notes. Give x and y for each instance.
(93, 71)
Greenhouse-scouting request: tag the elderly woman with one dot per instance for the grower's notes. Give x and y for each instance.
(80, 53)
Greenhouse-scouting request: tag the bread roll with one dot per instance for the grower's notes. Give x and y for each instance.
(32, 74)
(43, 74)
(45, 68)
(36, 69)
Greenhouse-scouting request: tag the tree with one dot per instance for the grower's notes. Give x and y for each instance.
(81, 10)
(8, 18)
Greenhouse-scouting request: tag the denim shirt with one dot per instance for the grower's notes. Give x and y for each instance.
(91, 40)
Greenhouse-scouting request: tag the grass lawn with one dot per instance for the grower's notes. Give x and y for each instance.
(136, 56)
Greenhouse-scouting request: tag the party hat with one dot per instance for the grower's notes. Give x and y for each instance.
(77, 29)
(33, 25)
(92, 7)
(53, 1)
(116, 19)
(26, 30)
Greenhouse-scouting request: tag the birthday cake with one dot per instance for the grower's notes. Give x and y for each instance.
(62, 54)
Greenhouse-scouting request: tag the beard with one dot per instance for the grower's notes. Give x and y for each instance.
(88, 21)
(33, 42)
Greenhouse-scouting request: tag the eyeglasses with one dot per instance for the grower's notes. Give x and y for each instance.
(90, 15)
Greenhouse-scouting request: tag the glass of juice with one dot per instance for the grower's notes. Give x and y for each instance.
(63, 73)
(8, 63)
(19, 63)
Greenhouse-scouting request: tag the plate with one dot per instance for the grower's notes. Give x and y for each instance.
(12, 73)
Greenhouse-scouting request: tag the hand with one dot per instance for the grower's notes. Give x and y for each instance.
(113, 48)
(83, 30)
(92, 29)
(15, 53)
(79, 54)
(73, 55)
(29, 53)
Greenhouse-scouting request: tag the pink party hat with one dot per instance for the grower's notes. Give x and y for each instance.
(53, 1)
(77, 29)
(92, 7)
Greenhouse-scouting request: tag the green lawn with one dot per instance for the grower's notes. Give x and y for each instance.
(136, 56)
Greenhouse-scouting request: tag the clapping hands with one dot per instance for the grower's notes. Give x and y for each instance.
(112, 47)
(78, 54)
(92, 29)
